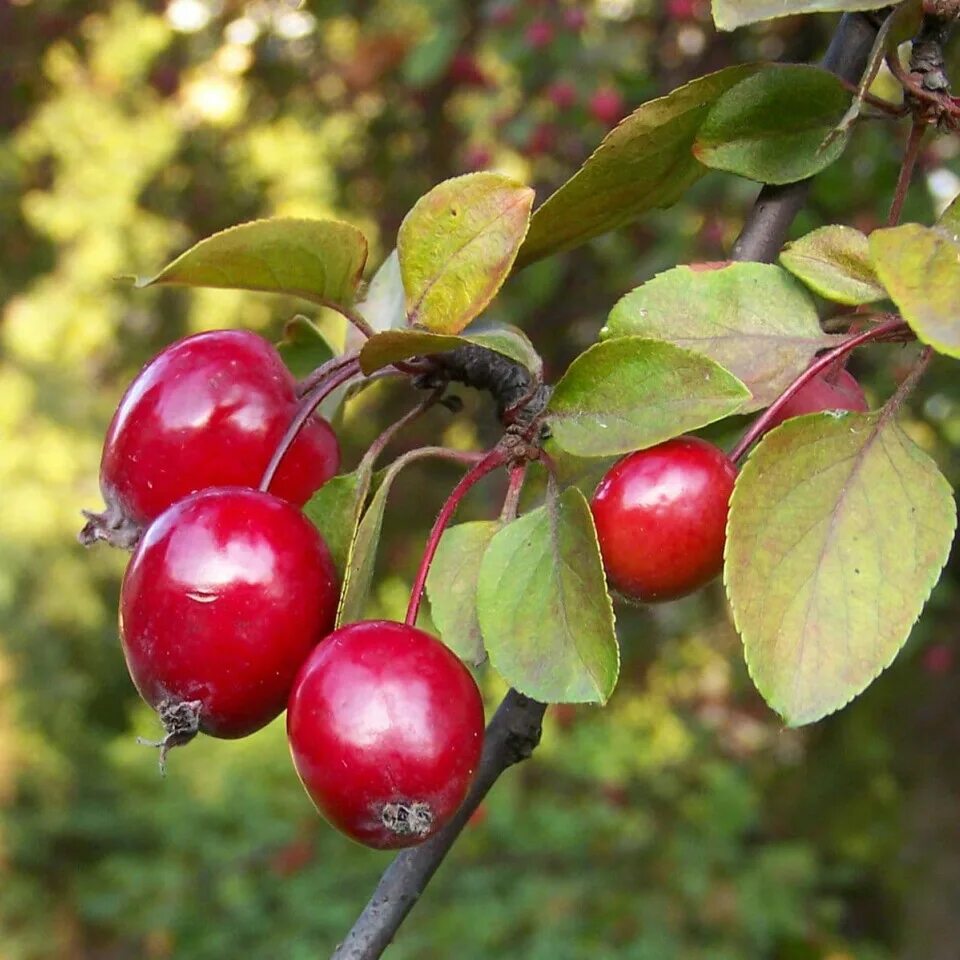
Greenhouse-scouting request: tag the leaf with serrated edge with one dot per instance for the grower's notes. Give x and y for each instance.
(335, 511)
(457, 245)
(318, 260)
(303, 347)
(394, 345)
(730, 14)
(920, 267)
(753, 319)
(630, 393)
(452, 587)
(543, 605)
(835, 262)
(643, 163)
(772, 126)
(839, 526)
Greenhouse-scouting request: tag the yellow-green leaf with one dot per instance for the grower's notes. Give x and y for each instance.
(839, 526)
(730, 14)
(318, 260)
(835, 262)
(457, 245)
(630, 393)
(920, 267)
(753, 319)
(543, 605)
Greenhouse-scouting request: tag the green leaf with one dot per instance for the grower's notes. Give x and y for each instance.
(643, 163)
(395, 345)
(384, 305)
(303, 347)
(362, 552)
(335, 511)
(839, 526)
(543, 605)
(730, 14)
(772, 126)
(835, 262)
(949, 220)
(920, 267)
(452, 587)
(319, 260)
(753, 319)
(630, 393)
(457, 245)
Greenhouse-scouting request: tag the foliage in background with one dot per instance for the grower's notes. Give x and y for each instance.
(682, 822)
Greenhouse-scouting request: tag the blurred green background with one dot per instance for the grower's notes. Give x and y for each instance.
(680, 823)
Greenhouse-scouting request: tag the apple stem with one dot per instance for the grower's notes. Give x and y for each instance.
(308, 404)
(825, 360)
(518, 473)
(490, 462)
(906, 171)
(325, 371)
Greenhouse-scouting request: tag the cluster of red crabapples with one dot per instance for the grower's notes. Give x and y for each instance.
(230, 591)
(228, 604)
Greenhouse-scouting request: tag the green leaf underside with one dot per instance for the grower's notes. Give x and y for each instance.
(543, 605)
(395, 345)
(730, 14)
(303, 347)
(920, 267)
(753, 319)
(384, 306)
(771, 127)
(839, 526)
(457, 245)
(643, 163)
(318, 260)
(629, 393)
(835, 262)
(452, 587)
(362, 559)
(949, 221)
(335, 511)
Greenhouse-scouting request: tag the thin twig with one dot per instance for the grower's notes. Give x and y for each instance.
(308, 404)
(910, 155)
(761, 424)
(495, 458)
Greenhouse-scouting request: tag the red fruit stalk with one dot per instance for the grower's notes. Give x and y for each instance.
(661, 517)
(225, 595)
(385, 727)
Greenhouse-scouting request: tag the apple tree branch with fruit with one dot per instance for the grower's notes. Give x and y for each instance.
(254, 549)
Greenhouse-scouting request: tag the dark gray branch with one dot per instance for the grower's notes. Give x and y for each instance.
(514, 731)
(766, 228)
(511, 736)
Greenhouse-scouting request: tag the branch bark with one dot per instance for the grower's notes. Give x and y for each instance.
(514, 732)
(766, 228)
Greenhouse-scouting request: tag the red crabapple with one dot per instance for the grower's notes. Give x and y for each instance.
(226, 594)
(661, 517)
(385, 727)
(208, 411)
(823, 393)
